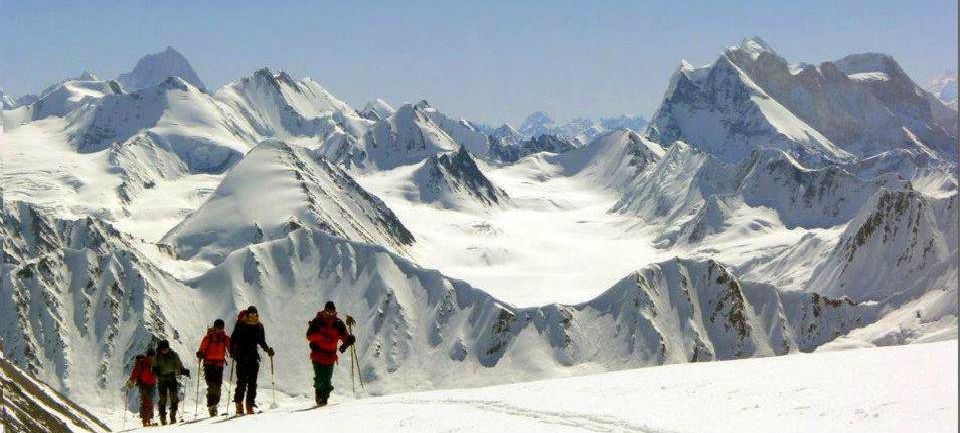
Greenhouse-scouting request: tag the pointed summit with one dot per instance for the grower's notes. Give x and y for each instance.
(377, 110)
(754, 46)
(154, 69)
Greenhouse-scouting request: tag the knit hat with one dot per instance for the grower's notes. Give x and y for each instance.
(252, 310)
(329, 306)
(163, 344)
(218, 324)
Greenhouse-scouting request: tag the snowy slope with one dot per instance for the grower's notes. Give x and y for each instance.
(823, 392)
(688, 190)
(613, 159)
(898, 240)
(277, 188)
(63, 98)
(154, 69)
(467, 134)
(30, 406)
(204, 133)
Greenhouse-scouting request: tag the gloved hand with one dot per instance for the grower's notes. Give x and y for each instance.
(343, 348)
(128, 385)
(269, 351)
(200, 354)
(185, 372)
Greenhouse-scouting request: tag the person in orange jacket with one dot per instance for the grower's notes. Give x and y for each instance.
(324, 333)
(142, 376)
(213, 353)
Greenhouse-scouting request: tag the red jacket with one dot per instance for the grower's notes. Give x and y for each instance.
(324, 333)
(214, 347)
(142, 372)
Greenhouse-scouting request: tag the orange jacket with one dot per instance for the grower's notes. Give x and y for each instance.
(324, 333)
(213, 348)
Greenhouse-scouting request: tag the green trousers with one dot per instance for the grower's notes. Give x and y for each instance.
(322, 375)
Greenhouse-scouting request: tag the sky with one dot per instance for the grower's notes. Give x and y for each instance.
(491, 61)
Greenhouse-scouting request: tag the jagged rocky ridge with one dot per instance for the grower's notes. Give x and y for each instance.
(504, 152)
(687, 189)
(454, 180)
(30, 406)
(79, 300)
(79, 290)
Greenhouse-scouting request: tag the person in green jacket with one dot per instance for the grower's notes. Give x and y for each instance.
(166, 367)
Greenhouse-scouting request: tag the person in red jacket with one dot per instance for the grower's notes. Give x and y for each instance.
(213, 353)
(324, 333)
(142, 376)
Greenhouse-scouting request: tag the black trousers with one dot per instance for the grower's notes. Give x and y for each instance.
(169, 390)
(247, 372)
(213, 375)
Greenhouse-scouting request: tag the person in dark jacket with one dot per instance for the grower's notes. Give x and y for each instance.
(247, 335)
(324, 333)
(167, 367)
(213, 353)
(142, 377)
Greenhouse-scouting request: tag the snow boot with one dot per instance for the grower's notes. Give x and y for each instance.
(239, 408)
(163, 418)
(146, 422)
(212, 410)
(249, 409)
(318, 398)
(173, 417)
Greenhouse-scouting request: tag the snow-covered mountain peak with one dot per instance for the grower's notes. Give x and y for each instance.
(177, 83)
(87, 76)
(944, 87)
(754, 46)
(292, 189)
(277, 105)
(155, 68)
(537, 123)
(424, 105)
(861, 63)
(751, 97)
(377, 110)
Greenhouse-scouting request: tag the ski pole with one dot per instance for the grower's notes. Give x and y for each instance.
(353, 381)
(353, 353)
(196, 399)
(356, 360)
(229, 388)
(126, 403)
(273, 379)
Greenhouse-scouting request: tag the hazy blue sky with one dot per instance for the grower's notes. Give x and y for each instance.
(491, 61)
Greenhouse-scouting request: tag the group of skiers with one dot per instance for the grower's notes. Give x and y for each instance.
(160, 369)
